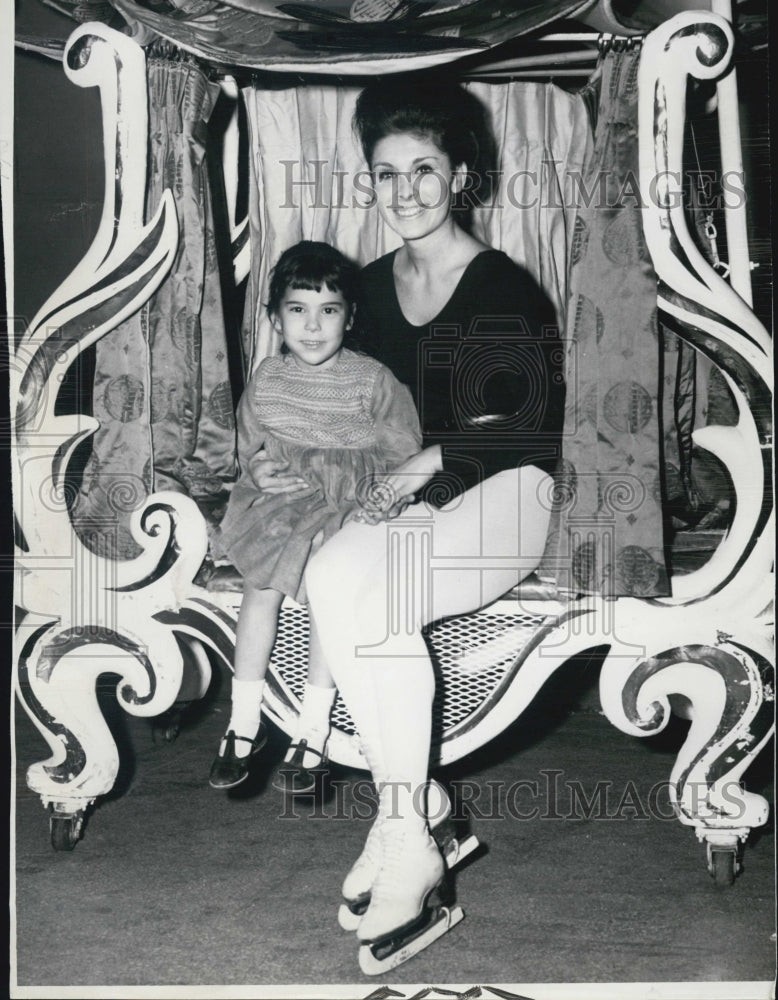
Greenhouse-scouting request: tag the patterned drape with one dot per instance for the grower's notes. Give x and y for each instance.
(161, 389)
(608, 533)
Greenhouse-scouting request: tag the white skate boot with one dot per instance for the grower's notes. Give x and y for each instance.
(359, 881)
(406, 912)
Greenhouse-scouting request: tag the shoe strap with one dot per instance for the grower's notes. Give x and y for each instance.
(301, 748)
(232, 735)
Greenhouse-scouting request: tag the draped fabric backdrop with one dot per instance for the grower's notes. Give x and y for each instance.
(308, 181)
(162, 392)
(608, 534)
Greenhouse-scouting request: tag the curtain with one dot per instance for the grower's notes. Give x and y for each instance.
(309, 181)
(607, 536)
(161, 389)
(543, 136)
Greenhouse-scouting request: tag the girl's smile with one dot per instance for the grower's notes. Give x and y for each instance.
(313, 324)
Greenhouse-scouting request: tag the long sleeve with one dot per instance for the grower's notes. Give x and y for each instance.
(250, 431)
(507, 387)
(396, 422)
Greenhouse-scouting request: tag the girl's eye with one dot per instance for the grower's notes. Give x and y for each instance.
(295, 309)
(330, 310)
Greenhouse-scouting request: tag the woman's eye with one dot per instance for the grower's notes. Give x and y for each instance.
(424, 168)
(385, 175)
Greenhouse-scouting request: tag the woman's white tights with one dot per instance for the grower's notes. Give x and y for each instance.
(373, 587)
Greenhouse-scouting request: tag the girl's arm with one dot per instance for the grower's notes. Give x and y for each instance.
(399, 438)
(396, 421)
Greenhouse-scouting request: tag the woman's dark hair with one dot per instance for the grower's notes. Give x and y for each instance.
(425, 105)
(310, 264)
(430, 105)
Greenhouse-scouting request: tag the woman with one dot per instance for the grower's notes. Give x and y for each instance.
(472, 336)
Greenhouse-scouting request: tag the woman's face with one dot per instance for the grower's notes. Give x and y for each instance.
(414, 181)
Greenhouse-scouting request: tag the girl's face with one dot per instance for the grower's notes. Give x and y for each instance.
(313, 324)
(414, 181)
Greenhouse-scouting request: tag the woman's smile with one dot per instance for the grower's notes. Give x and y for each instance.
(414, 182)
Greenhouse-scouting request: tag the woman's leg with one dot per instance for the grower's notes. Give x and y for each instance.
(255, 637)
(373, 588)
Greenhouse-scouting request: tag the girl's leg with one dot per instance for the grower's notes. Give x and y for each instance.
(254, 639)
(307, 748)
(372, 594)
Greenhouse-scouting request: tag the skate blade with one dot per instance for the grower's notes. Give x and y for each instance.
(454, 852)
(373, 964)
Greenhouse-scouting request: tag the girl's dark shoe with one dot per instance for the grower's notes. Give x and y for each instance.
(229, 770)
(292, 777)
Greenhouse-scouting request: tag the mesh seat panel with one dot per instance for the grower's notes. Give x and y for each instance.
(471, 655)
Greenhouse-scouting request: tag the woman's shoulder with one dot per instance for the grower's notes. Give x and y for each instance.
(499, 277)
(497, 265)
(379, 269)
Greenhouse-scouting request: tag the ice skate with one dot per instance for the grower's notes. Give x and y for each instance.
(407, 910)
(359, 881)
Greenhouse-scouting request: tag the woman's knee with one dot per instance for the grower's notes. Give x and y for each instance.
(319, 571)
(334, 568)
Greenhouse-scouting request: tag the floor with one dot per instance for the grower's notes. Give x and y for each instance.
(174, 883)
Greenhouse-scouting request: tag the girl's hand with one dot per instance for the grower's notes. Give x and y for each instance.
(269, 476)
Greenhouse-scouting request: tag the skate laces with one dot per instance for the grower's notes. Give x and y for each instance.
(405, 855)
(365, 869)
(371, 852)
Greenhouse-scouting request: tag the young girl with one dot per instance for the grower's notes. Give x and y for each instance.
(334, 418)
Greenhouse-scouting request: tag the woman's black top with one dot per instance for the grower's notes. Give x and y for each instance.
(486, 373)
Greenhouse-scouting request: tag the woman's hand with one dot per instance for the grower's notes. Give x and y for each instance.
(391, 492)
(269, 475)
(361, 515)
(411, 476)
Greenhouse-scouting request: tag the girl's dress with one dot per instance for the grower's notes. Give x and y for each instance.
(335, 427)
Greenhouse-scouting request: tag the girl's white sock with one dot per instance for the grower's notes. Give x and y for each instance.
(314, 722)
(246, 713)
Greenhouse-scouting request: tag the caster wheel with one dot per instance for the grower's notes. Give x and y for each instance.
(167, 727)
(65, 830)
(723, 867)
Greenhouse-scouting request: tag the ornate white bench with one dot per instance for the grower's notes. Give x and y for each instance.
(84, 616)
